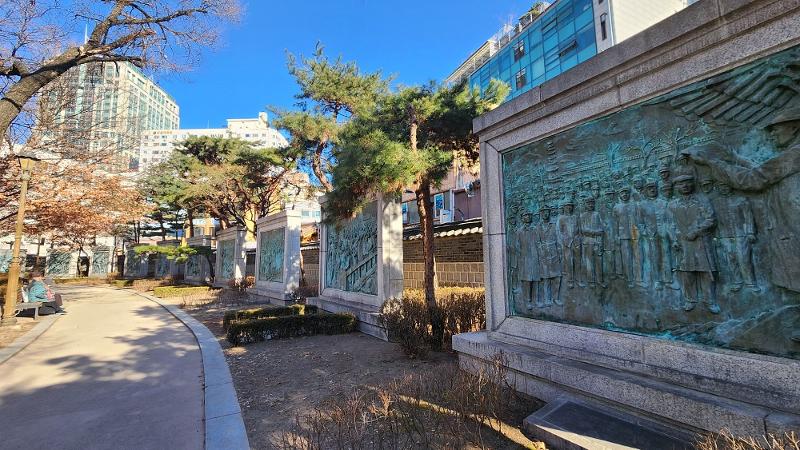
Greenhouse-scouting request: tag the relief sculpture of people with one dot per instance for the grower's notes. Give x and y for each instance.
(678, 217)
(352, 253)
(226, 250)
(270, 255)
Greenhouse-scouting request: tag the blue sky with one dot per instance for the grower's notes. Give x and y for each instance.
(415, 40)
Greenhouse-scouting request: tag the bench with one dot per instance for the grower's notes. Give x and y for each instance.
(25, 304)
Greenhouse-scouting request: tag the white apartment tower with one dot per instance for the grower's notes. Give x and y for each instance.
(116, 102)
(157, 145)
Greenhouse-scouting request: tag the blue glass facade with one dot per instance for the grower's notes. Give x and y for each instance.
(558, 40)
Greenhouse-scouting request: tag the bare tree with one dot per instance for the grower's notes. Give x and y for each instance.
(151, 33)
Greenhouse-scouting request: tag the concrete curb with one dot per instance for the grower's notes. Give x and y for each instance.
(223, 415)
(26, 339)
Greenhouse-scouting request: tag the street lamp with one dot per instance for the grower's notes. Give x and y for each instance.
(26, 163)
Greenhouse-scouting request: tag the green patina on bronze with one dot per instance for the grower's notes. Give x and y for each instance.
(270, 255)
(226, 250)
(193, 266)
(352, 253)
(678, 217)
(58, 263)
(100, 260)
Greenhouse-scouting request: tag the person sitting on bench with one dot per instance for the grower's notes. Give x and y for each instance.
(38, 291)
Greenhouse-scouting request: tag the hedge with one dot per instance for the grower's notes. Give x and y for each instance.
(179, 291)
(269, 311)
(254, 330)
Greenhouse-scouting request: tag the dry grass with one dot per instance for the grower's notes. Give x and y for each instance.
(727, 441)
(217, 297)
(448, 408)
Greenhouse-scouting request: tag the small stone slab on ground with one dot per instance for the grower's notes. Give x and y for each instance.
(568, 424)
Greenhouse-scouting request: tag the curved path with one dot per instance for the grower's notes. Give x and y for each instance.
(117, 372)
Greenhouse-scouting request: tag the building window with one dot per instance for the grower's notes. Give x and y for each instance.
(519, 50)
(604, 26)
(521, 79)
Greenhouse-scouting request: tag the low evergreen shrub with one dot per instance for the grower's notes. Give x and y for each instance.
(179, 291)
(269, 311)
(246, 331)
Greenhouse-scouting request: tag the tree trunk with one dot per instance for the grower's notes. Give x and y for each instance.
(425, 207)
(190, 220)
(316, 166)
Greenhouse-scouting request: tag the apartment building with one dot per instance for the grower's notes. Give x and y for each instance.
(156, 145)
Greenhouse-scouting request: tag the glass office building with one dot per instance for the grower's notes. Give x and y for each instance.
(555, 41)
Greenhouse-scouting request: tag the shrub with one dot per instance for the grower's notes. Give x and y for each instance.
(148, 284)
(111, 276)
(240, 285)
(254, 330)
(407, 320)
(122, 283)
(269, 311)
(442, 408)
(179, 291)
(725, 440)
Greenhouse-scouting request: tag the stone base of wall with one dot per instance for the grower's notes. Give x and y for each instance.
(259, 295)
(548, 375)
(367, 315)
(449, 274)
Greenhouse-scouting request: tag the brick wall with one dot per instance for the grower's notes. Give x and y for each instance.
(459, 261)
(311, 266)
(462, 248)
(461, 274)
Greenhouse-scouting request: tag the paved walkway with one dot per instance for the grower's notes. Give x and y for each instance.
(116, 372)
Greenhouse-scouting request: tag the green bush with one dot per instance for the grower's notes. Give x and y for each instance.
(407, 320)
(121, 283)
(269, 311)
(179, 291)
(254, 330)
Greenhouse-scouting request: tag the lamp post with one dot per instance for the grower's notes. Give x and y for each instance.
(26, 164)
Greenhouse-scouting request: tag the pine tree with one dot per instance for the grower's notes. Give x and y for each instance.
(410, 140)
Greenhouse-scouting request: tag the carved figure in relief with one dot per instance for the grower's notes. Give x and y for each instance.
(610, 253)
(591, 230)
(649, 238)
(625, 221)
(736, 234)
(780, 177)
(665, 227)
(694, 221)
(528, 269)
(570, 242)
(549, 260)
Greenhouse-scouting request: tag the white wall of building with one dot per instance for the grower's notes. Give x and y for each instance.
(630, 17)
(157, 145)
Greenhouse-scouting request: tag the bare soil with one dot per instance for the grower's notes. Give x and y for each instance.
(9, 334)
(276, 381)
